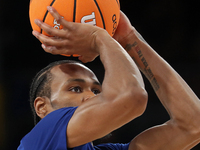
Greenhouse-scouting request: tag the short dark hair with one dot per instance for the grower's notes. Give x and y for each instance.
(41, 84)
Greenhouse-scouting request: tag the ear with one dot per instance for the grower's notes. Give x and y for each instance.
(41, 106)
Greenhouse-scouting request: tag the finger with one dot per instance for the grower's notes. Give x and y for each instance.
(51, 41)
(42, 38)
(86, 59)
(81, 58)
(49, 29)
(48, 49)
(56, 50)
(60, 19)
(38, 35)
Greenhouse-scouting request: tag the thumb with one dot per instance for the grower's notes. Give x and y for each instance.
(83, 59)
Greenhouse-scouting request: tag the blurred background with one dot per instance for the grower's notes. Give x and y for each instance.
(171, 27)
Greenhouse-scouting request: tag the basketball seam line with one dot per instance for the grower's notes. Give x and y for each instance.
(47, 13)
(118, 3)
(100, 14)
(74, 14)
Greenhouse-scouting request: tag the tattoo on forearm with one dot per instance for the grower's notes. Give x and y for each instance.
(128, 47)
(139, 52)
(155, 84)
(147, 70)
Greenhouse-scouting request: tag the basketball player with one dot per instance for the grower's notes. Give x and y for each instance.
(74, 108)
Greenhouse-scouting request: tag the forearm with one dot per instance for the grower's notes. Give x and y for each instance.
(177, 97)
(173, 92)
(119, 67)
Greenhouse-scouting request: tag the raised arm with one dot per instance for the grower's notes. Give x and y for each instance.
(123, 97)
(182, 131)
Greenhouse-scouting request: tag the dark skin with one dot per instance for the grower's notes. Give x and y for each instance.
(122, 91)
(176, 96)
(128, 95)
(70, 82)
(75, 85)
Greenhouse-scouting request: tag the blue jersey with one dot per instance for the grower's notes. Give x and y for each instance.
(50, 134)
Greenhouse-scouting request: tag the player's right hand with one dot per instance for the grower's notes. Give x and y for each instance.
(74, 38)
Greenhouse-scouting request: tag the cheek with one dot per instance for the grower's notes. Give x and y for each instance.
(69, 100)
(73, 100)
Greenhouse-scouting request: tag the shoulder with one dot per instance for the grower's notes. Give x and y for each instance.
(65, 112)
(55, 120)
(50, 128)
(62, 116)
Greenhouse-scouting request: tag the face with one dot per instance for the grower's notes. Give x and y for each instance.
(72, 85)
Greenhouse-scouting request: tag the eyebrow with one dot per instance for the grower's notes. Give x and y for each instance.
(82, 80)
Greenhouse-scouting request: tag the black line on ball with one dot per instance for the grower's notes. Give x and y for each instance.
(47, 13)
(118, 3)
(74, 14)
(100, 14)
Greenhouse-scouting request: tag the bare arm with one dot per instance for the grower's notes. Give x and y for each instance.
(123, 97)
(182, 130)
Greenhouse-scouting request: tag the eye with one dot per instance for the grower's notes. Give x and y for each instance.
(96, 91)
(76, 89)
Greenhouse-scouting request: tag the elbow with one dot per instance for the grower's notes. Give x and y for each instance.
(131, 102)
(138, 100)
(191, 125)
(141, 102)
(194, 127)
(196, 121)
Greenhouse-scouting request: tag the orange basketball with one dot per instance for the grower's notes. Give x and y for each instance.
(102, 13)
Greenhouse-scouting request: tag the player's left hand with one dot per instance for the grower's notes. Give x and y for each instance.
(124, 29)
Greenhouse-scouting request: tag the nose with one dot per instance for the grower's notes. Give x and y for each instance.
(88, 95)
